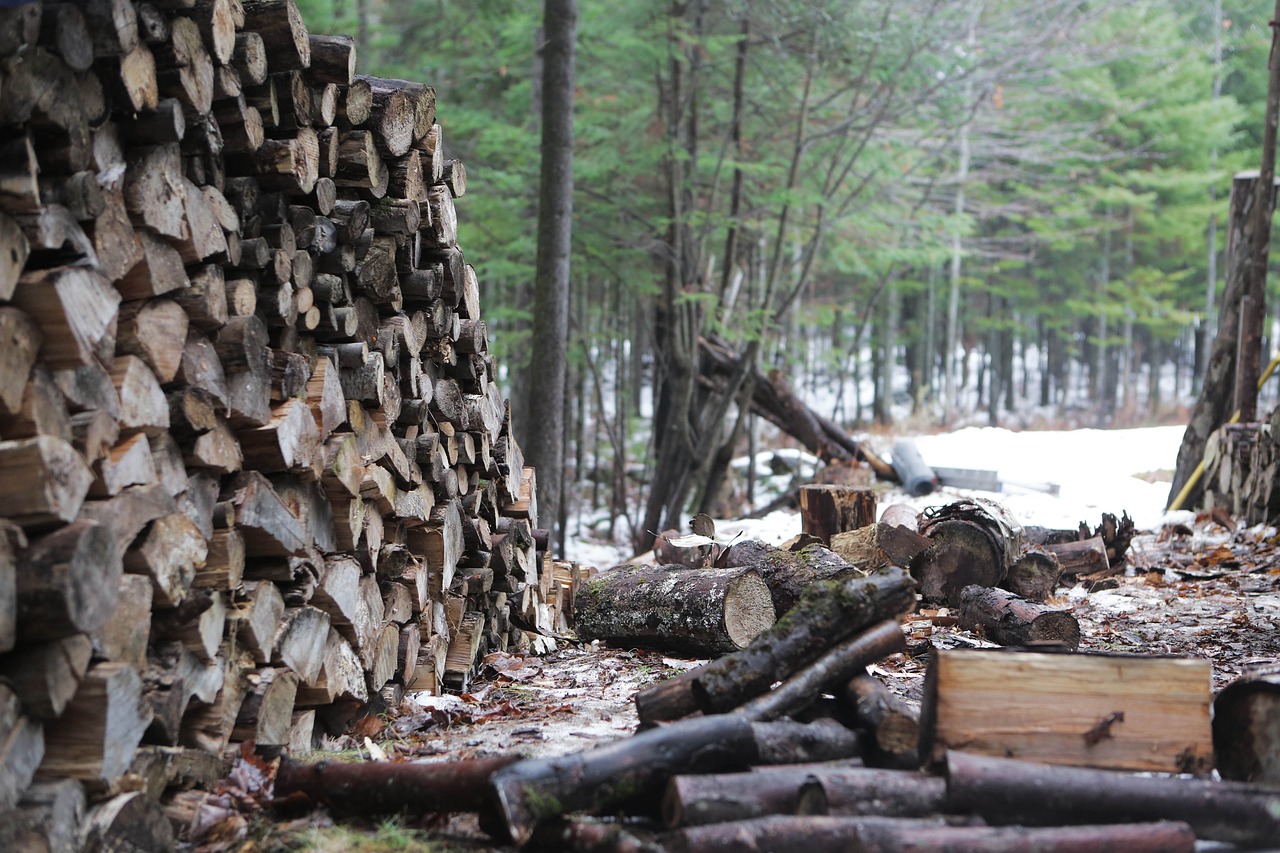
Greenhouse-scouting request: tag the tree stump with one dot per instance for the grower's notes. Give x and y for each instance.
(828, 510)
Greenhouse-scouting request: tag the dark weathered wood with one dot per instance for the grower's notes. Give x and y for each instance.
(68, 582)
(789, 573)
(1002, 790)
(388, 788)
(1246, 727)
(868, 791)
(973, 542)
(696, 612)
(531, 791)
(1083, 557)
(828, 510)
(695, 800)
(1009, 620)
(48, 818)
(827, 613)
(891, 723)
(835, 666)
(46, 676)
(21, 748)
(1034, 575)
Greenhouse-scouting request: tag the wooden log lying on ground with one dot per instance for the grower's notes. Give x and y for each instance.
(892, 724)
(823, 834)
(694, 612)
(387, 788)
(21, 748)
(535, 790)
(973, 542)
(878, 545)
(1123, 712)
(828, 510)
(836, 665)
(789, 573)
(1246, 727)
(827, 613)
(832, 788)
(1006, 619)
(1034, 575)
(1003, 790)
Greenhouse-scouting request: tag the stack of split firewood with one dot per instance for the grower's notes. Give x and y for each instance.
(254, 467)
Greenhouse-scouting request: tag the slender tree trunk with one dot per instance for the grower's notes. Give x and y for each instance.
(953, 297)
(555, 223)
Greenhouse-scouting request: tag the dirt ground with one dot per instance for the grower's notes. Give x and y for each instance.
(1207, 591)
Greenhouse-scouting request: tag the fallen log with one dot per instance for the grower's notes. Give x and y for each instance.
(1122, 712)
(836, 665)
(1245, 727)
(1034, 575)
(1006, 619)
(891, 724)
(693, 612)
(827, 613)
(1082, 557)
(386, 788)
(878, 545)
(789, 573)
(973, 542)
(535, 790)
(1003, 790)
(871, 791)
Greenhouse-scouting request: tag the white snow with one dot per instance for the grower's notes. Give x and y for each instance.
(1094, 470)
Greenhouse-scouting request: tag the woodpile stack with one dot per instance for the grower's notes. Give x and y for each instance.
(254, 468)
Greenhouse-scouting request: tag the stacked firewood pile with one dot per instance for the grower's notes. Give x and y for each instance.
(257, 474)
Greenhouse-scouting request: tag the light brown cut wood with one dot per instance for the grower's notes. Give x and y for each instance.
(14, 250)
(341, 675)
(21, 339)
(76, 311)
(143, 405)
(95, 738)
(1111, 711)
(129, 463)
(256, 617)
(266, 715)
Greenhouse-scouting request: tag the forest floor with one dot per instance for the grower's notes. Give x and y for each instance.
(1205, 590)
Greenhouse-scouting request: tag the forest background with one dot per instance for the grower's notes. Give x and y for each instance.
(936, 210)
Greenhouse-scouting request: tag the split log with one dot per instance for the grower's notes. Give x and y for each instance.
(76, 311)
(21, 748)
(256, 617)
(68, 582)
(828, 510)
(1006, 619)
(973, 542)
(95, 738)
(892, 724)
(875, 546)
(46, 676)
(170, 554)
(694, 612)
(47, 820)
(836, 665)
(534, 790)
(132, 821)
(818, 834)
(125, 636)
(1101, 710)
(787, 573)
(1245, 727)
(827, 613)
(696, 800)
(388, 788)
(1003, 790)
(266, 714)
(1083, 557)
(10, 538)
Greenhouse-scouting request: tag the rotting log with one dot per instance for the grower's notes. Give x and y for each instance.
(535, 790)
(828, 510)
(1246, 727)
(694, 612)
(828, 612)
(386, 788)
(1006, 619)
(972, 542)
(1003, 790)
(1034, 575)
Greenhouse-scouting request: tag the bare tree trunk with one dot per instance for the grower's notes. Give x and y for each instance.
(555, 222)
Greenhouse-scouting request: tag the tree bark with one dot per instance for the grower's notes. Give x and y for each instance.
(545, 446)
(1011, 621)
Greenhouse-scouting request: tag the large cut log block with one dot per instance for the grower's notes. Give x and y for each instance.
(68, 581)
(21, 748)
(266, 715)
(828, 510)
(95, 738)
(1010, 621)
(387, 788)
(1121, 712)
(42, 480)
(1246, 727)
(827, 613)
(170, 553)
(1002, 790)
(694, 612)
(269, 528)
(973, 542)
(22, 339)
(540, 789)
(822, 834)
(1034, 575)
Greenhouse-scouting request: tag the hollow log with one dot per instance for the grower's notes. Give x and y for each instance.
(1003, 790)
(827, 612)
(1006, 619)
(694, 612)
